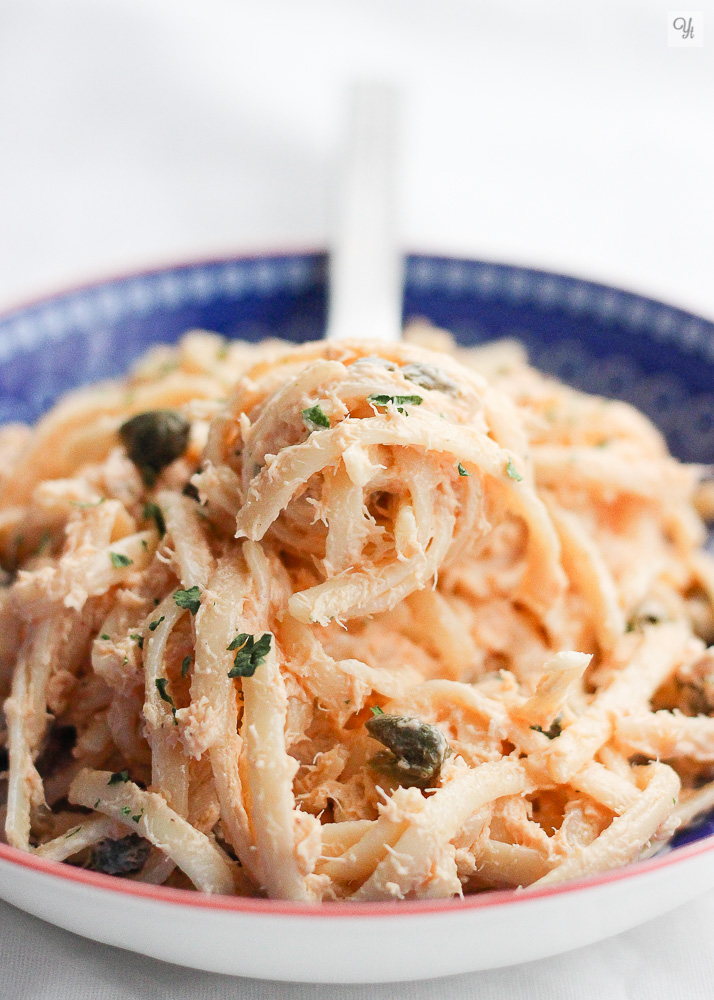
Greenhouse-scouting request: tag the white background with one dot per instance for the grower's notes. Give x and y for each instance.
(559, 134)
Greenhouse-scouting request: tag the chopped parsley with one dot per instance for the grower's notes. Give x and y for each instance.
(645, 616)
(161, 684)
(250, 654)
(43, 543)
(152, 512)
(125, 810)
(138, 639)
(190, 599)
(138, 816)
(314, 417)
(118, 777)
(88, 504)
(380, 399)
(185, 666)
(119, 560)
(154, 625)
(555, 729)
(513, 472)
(376, 710)
(71, 833)
(97, 803)
(462, 470)
(105, 637)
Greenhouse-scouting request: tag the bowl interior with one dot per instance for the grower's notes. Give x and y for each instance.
(597, 338)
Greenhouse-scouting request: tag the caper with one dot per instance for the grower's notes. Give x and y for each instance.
(155, 439)
(56, 750)
(429, 377)
(120, 857)
(648, 613)
(419, 748)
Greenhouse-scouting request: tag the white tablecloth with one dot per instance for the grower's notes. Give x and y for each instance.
(568, 136)
(672, 958)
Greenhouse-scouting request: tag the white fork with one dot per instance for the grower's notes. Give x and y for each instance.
(366, 268)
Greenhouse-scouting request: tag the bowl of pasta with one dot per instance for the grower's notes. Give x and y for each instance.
(351, 661)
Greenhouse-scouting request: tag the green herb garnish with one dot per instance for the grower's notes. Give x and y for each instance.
(88, 504)
(250, 654)
(43, 543)
(190, 599)
(138, 639)
(152, 512)
(513, 472)
(462, 470)
(555, 729)
(380, 399)
(125, 810)
(314, 417)
(376, 710)
(154, 625)
(138, 816)
(185, 666)
(118, 777)
(119, 560)
(161, 684)
(645, 616)
(105, 637)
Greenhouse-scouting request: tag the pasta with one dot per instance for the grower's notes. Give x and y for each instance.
(351, 621)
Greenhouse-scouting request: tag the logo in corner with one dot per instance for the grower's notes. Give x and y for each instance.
(685, 29)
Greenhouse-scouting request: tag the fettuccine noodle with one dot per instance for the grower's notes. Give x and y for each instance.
(391, 621)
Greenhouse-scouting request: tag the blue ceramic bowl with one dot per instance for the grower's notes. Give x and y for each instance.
(597, 338)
